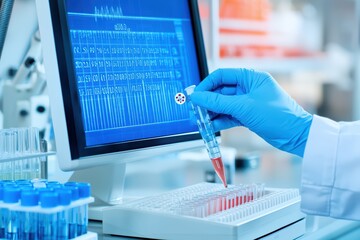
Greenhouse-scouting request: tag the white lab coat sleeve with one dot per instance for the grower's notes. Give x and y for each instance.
(330, 182)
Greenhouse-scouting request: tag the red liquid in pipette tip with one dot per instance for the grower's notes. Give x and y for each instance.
(219, 169)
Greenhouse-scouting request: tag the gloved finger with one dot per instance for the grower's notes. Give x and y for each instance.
(224, 122)
(227, 90)
(217, 79)
(229, 77)
(230, 90)
(217, 103)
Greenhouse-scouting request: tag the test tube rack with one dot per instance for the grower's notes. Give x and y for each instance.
(23, 155)
(41, 209)
(209, 211)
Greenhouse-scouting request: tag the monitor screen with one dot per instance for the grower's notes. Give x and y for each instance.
(120, 65)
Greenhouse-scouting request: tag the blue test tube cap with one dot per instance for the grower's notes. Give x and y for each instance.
(29, 198)
(64, 196)
(52, 183)
(55, 186)
(84, 190)
(44, 190)
(25, 188)
(20, 181)
(10, 184)
(74, 192)
(49, 199)
(20, 185)
(7, 181)
(71, 184)
(11, 194)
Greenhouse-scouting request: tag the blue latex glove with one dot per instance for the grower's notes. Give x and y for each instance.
(242, 97)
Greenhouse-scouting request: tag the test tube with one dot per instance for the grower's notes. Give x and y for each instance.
(28, 219)
(208, 135)
(10, 138)
(11, 197)
(34, 148)
(2, 144)
(2, 213)
(74, 211)
(84, 192)
(63, 216)
(48, 221)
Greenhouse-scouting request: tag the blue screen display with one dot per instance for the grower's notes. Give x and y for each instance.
(131, 57)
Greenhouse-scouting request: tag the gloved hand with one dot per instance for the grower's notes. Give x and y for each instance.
(242, 97)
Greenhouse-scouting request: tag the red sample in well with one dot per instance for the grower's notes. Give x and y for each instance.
(219, 169)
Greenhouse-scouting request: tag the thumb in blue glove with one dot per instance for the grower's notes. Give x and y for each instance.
(242, 97)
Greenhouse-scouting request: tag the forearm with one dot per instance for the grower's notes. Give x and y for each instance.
(331, 169)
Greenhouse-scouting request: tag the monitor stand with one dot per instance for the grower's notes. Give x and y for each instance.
(107, 186)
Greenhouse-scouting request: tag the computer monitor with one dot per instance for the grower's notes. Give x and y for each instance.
(113, 69)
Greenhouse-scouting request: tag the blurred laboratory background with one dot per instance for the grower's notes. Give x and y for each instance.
(311, 47)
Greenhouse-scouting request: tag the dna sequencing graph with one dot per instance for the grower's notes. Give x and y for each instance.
(129, 73)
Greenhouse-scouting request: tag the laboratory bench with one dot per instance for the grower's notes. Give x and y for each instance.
(274, 168)
(331, 229)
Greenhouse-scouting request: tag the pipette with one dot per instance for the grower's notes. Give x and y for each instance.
(208, 135)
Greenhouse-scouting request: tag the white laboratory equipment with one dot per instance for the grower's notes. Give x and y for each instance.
(208, 211)
(23, 100)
